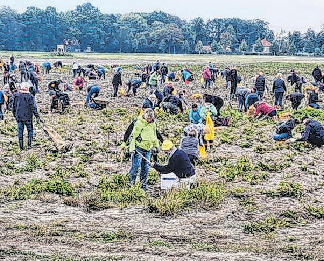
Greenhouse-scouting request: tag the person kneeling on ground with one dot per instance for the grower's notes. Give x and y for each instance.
(78, 83)
(265, 110)
(314, 132)
(179, 164)
(250, 99)
(284, 130)
(313, 100)
(149, 102)
(190, 145)
(59, 97)
(93, 92)
(208, 106)
(295, 99)
(194, 114)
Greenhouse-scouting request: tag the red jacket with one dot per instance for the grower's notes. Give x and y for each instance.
(79, 82)
(207, 74)
(264, 108)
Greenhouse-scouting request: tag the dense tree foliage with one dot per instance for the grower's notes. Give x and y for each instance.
(41, 30)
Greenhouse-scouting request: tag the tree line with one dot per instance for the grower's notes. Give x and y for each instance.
(157, 32)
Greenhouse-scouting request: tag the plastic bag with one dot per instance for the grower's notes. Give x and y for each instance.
(209, 128)
(122, 91)
(166, 80)
(202, 79)
(141, 113)
(202, 152)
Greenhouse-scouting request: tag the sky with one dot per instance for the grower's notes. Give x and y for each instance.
(288, 15)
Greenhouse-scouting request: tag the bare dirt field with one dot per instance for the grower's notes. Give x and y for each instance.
(256, 199)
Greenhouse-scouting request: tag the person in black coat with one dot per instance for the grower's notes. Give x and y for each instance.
(179, 162)
(295, 99)
(217, 101)
(24, 108)
(117, 81)
(314, 132)
(149, 102)
(317, 74)
(233, 74)
(260, 85)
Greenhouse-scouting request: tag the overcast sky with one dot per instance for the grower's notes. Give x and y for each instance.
(288, 15)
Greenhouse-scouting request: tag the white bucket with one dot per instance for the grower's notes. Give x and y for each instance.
(169, 181)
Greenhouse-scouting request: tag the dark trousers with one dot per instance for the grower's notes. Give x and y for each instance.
(193, 159)
(21, 126)
(278, 98)
(298, 87)
(23, 76)
(115, 90)
(295, 105)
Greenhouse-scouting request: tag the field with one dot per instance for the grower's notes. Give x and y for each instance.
(256, 200)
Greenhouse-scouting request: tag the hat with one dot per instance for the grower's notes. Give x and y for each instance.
(167, 145)
(152, 96)
(24, 86)
(119, 69)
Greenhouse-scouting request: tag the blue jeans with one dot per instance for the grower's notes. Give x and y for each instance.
(1, 112)
(140, 164)
(29, 126)
(282, 136)
(315, 105)
(278, 98)
(207, 83)
(94, 92)
(260, 95)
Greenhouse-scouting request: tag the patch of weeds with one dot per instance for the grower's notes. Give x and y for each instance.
(266, 226)
(119, 235)
(291, 239)
(317, 212)
(206, 195)
(303, 168)
(240, 192)
(248, 203)
(20, 226)
(153, 177)
(81, 119)
(262, 149)
(160, 243)
(273, 167)
(286, 189)
(205, 247)
(243, 167)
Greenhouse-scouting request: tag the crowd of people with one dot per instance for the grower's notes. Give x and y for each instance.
(142, 136)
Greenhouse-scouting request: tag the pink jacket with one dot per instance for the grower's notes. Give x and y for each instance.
(264, 108)
(207, 73)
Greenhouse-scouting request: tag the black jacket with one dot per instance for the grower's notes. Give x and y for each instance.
(164, 70)
(317, 74)
(24, 107)
(313, 98)
(279, 86)
(313, 131)
(148, 104)
(260, 84)
(286, 127)
(117, 79)
(179, 164)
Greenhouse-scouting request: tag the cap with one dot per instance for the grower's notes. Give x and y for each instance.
(167, 145)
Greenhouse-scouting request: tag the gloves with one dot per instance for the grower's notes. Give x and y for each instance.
(156, 150)
(152, 164)
(123, 145)
(39, 121)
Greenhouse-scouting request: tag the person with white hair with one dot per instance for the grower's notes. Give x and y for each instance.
(144, 139)
(24, 108)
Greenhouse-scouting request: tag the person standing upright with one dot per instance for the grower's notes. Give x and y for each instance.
(117, 81)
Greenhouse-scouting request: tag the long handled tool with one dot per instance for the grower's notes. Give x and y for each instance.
(142, 156)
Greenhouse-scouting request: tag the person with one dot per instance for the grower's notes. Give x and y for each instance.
(179, 164)
(79, 83)
(101, 71)
(313, 100)
(58, 64)
(75, 69)
(6, 74)
(1, 63)
(217, 101)
(187, 76)
(12, 59)
(190, 145)
(182, 96)
(2, 101)
(164, 72)
(159, 98)
(133, 85)
(172, 76)
(153, 80)
(34, 80)
(233, 73)
(156, 66)
(172, 103)
(144, 138)
(93, 92)
(54, 85)
(117, 81)
(296, 80)
(260, 85)
(226, 73)
(168, 89)
(278, 88)
(59, 97)
(149, 102)
(23, 109)
(207, 77)
(285, 130)
(250, 99)
(295, 99)
(47, 67)
(314, 132)
(317, 74)
(241, 96)
(264, 110)
(23, 72)
(208, 106)
(194, 114)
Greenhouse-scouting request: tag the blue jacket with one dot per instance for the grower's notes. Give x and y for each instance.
(279, 86)
(2, 99)
(194, 116)
(24, 107)
(179, 164)
(148, 104)
(313, 130)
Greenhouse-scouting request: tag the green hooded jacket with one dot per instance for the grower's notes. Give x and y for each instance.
(153, 79)
(143, 135)
(205, 108)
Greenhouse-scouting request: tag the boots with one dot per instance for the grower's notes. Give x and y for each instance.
(21, 144)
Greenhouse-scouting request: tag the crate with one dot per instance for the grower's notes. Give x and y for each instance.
(169, 181)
